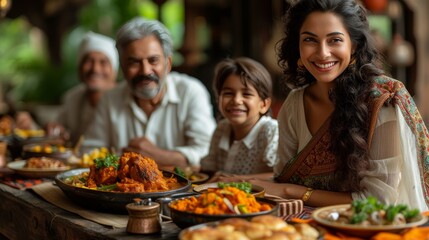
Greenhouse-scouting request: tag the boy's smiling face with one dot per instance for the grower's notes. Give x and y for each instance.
(241, 104)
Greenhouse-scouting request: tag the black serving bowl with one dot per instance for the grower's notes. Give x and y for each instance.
(187, 219)
(113, 202)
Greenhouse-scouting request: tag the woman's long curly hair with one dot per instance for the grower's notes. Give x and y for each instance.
(351, 92)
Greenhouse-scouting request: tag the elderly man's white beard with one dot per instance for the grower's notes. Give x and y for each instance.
(145, 93)
(94, 88)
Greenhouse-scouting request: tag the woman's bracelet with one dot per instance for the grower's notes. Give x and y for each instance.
(307, 194)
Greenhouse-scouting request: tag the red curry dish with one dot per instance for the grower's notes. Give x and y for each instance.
(132, 172)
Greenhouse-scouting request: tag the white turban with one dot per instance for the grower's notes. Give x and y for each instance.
(94, 42)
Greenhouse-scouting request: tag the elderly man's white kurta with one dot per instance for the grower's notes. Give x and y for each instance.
(183, 121)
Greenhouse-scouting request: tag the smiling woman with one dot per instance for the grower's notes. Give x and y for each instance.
(325, 46)
(346, 129)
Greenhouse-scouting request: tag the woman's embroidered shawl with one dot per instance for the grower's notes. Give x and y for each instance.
(315, 165)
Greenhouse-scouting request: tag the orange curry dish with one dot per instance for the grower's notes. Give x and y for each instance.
(131, 173)
(227, 200)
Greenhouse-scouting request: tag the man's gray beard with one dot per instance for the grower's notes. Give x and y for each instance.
(150, 93)
(93, 89)
(146, 93)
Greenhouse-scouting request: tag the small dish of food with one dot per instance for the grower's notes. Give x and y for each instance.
(365, 218)
(47, 150)
(194, 177)
(218, 204)
(29, 133)
(38, 167)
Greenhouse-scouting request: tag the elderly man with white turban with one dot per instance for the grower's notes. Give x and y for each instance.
(98, 66)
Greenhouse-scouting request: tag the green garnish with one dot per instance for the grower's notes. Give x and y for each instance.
(179, 172)
(242, 208)
(107, 187)
(244, 186)
(111, 160)
(358, 218)
(362, 209)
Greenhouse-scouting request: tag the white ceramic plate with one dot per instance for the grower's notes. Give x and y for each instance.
(18, 167)
(357, 230)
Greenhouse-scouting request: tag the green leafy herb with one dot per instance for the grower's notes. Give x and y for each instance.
(111, 160)
(363, 208)
(107, 187)
(411, 213)
(358, 218)
(244, 186)
(179, 172)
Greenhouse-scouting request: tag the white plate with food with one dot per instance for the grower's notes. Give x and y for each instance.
(337, 218)
(45, 169)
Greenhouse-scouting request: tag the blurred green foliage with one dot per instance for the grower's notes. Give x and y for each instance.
(26, 73)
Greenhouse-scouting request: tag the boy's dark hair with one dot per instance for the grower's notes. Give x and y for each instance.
(250, 72)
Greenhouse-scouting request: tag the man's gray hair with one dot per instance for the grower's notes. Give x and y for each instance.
(139, 28)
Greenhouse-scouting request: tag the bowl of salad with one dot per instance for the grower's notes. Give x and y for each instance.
(367, 217)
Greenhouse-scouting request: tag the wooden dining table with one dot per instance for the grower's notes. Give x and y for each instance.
(25, 215)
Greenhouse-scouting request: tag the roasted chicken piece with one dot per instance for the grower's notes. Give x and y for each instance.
(130, 185)
(131, 173)
(142, 169)
(102, 176)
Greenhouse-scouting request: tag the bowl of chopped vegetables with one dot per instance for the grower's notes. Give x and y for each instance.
(367, 217)
(217, 204)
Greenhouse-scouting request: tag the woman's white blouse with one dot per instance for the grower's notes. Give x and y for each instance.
(393, 176)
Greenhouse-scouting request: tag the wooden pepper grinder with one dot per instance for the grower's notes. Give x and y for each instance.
(143, 217)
